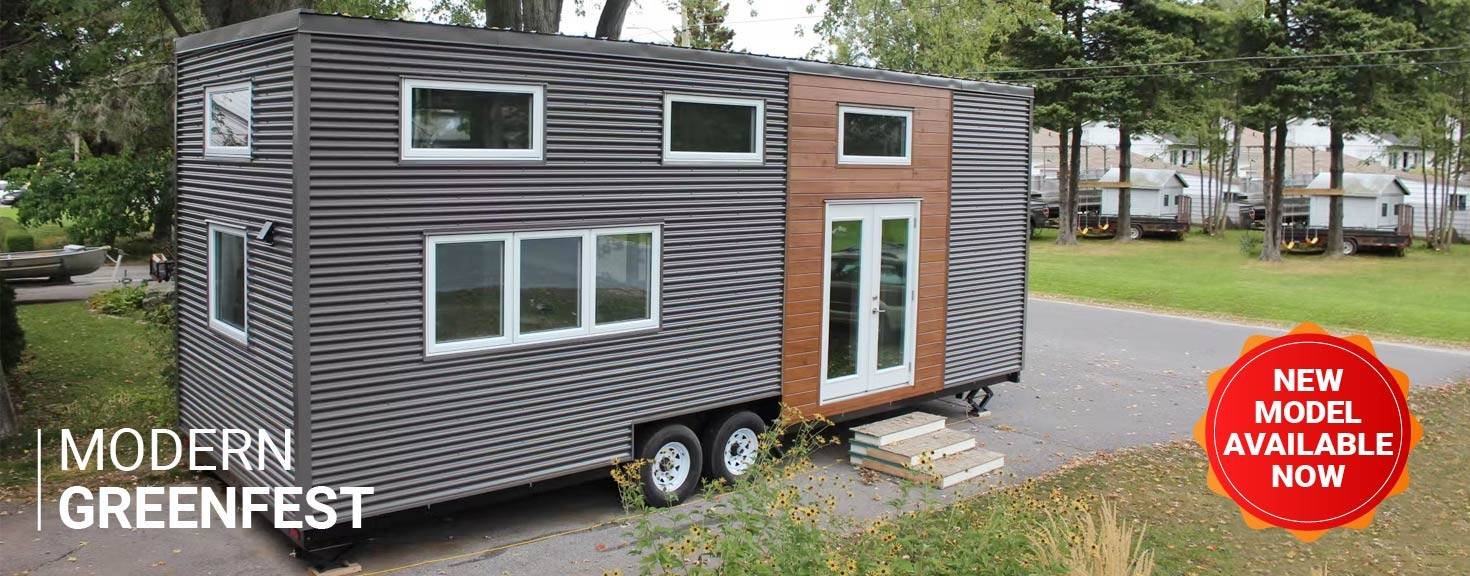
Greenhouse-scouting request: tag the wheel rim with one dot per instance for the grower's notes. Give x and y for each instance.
(741, 450)
(1347, 248)
(1134, 233)
(671, 466)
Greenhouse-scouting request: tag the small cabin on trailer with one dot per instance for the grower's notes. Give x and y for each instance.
(455, 260)
(1374, 214)
(1155, 196)
(1154, 193)
(1369, 201)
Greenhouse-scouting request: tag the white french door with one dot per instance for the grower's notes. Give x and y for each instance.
(870, 297)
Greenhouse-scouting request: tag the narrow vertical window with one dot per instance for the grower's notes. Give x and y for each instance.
(624, 277)
(466, 292)
(227, 277)
(550, 284)
(227, 120)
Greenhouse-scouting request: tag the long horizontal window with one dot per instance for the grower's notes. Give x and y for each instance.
(447, 120)
(489, 290)
(706, 129)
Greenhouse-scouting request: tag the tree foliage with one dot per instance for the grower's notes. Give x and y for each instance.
(941, 37)
(100, 198)
(702, 24)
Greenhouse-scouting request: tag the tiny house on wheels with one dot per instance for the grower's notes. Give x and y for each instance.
(1158, 204)
(456, 260)
(1374, 214)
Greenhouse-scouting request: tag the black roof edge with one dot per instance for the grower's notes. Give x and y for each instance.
(263, 26)
(312, 23)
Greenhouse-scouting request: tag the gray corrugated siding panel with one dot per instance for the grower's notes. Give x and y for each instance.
(421, 431)
(222, 384)
(987, 275)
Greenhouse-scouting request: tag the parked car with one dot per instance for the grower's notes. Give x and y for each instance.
(9, 196)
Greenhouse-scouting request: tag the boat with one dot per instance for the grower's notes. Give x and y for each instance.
(63, 263)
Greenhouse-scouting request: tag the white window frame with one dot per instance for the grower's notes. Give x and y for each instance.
(677, 156)
(405, 122)
(229, 151)
(431, 245)
(242, 334)
(908, 141)
(511, 288)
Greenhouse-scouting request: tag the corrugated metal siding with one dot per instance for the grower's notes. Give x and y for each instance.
(987, 239)
(221, 383)
(421, 431)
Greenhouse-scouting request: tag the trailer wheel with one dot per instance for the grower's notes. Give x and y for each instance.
(732, 444)
(1349, 247)
(1135, 232)
(673, 460)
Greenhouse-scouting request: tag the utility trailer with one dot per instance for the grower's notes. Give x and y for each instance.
(1374, 215)
(453, 260)
(1158, 205)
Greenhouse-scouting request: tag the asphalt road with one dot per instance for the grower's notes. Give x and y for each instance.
(38, 290)
(1097, 379)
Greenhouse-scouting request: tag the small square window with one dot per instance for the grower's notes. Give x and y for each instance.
(706, 129)
(874, 136)
(471, 121)
(227, 120)
(227, 281)
(624, 277)
(466, 292)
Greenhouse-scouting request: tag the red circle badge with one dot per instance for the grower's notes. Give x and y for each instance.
(1308, 432)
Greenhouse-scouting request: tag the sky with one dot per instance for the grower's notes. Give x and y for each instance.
(773, 30)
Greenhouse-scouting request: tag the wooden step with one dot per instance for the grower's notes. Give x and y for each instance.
(909, 452)
(944, 472)
(885, 432)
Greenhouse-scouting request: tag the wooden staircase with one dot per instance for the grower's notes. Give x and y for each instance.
(917, 446)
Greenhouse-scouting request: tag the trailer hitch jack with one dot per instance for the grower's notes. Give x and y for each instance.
(978, 408)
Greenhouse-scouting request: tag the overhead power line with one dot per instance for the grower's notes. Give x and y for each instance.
(1227, 70)
(1226, 60)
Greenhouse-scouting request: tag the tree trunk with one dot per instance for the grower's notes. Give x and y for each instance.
(8, 423)
(1237, 132)
(610, 24)
(1125, 194)
(1066, 193)
(1271, 246)
(1334, 202)
(504, 14)
(172, 17)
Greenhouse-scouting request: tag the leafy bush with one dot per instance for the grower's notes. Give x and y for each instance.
(1086, 546)
(18, 240)
(118, 301)
(100, 198)
(783, 517)
(1250, 245)
(12, 337)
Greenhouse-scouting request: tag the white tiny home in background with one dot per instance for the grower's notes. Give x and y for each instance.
(1154, 192)
(1369, 201)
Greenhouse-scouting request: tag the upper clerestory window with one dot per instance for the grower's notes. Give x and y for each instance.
(874, 136)
(227, 120)
(447, 120)
(709, 129)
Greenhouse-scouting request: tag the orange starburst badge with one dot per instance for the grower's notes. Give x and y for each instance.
(1308, 432)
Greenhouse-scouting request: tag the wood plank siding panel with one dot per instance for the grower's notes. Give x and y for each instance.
(815, 178)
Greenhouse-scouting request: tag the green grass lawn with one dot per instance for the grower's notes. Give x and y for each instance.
(1192, 531)
(1424, 295)
(81, 371)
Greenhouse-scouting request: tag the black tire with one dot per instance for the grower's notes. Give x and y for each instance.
(648, 450)
(1135, 232)
(717, 444)
(1349, 247)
